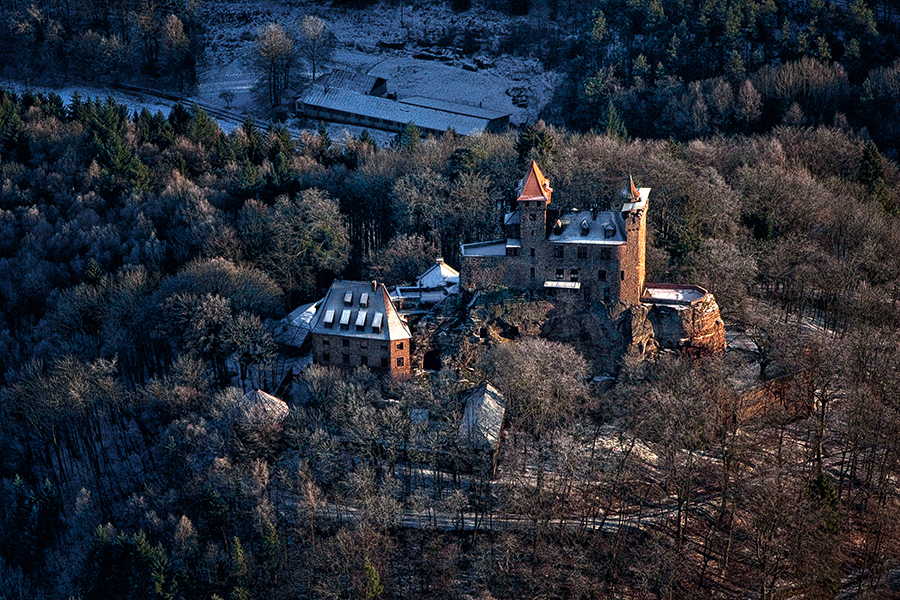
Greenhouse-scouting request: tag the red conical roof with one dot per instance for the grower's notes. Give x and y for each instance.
(534, 186)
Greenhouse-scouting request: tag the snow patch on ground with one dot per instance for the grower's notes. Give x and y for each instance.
(233, 26)
(413, 26)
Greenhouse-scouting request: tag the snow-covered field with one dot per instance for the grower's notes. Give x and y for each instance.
(410, 28)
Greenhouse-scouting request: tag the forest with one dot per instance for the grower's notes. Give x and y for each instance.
(145, 260)
(140, 252)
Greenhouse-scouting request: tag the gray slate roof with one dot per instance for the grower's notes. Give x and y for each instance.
(607, 229)
(360, 309)
(482, 418)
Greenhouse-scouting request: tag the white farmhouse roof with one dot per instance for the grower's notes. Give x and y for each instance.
(439, 275)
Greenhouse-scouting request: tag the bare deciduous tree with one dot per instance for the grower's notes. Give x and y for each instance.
(274, 57)
(316, 42)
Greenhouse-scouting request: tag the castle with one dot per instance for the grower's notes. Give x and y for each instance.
(599, 254)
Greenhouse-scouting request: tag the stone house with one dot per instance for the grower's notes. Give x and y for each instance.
(358, 325)
(597, 254)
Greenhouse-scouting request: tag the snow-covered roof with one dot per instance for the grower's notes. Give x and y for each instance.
(351, 80)
(378, 319)
(667, 293)
(482, 418)
(294, 328)
(580, 227)
(439, 275)
(491, 248)
(259, 408)
(453, 107)
(383, 113)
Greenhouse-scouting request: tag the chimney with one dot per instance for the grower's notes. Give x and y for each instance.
(374, 286)
(439, 260)
(593, 212)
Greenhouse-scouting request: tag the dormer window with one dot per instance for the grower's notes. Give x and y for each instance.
(609, 231)
(329, 318)
(348, 298)
(557, 227)
(585, 227)
(364, 299)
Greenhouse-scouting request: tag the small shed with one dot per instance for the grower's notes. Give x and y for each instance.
(482, 422)
(259, 409)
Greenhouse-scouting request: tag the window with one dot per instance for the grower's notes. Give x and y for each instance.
(622, 275)
(512, 251)
(363, 344)
(582, 252)
(606, 294)
(558, 252)
(345, 342)
(399, 345)
(385, 364)
(531, 252)
(560, 274)
(364, 360)
(532, 271)
(346, 359)
(325, 341)
(384, 345)
(326, 358)
(573, 275)
(601, 275)
(605, 254)
(399, 361)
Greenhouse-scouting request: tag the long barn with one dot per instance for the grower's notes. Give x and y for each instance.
(326, 100)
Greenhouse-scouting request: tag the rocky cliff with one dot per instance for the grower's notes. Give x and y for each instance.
(694, 327)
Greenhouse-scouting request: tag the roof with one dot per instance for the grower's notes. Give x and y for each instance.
(482, 418)
(666, 293)
(439, 275)
(453, 107)
(635, 198)
(360, 309)
(392, 112)
(258, 407)
(608, 229)
(349, 80)
(513, 218)
(294, 328)
(492, 248)
(534, 186)
(563, 285)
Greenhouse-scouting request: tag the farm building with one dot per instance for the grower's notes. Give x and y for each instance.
(358, 100)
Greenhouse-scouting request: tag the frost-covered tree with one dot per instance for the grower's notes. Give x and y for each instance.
(316, 42)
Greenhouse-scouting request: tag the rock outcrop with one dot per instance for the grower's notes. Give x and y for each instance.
(690, 327)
